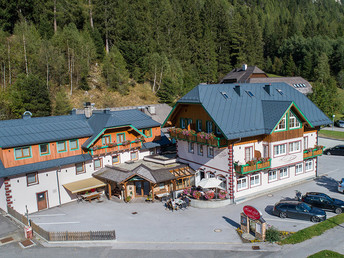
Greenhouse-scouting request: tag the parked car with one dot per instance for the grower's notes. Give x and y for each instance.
(341, 186)
(323, 201)
(336, 150)
(339, 123)
(298, 210)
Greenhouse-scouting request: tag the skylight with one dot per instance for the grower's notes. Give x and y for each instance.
(280, 91)
(224, 94)
(249, 93)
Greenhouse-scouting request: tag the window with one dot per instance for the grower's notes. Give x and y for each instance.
(32, 178)
(182, 123)
(200, 149)
(248, 153)
(189, 120)
(80, 168)
(283, 172)
(217, 130)
(211, 175)
(298, 168)
(294, 147)
(209, 126)
(191, 147)
(242, 183)
(147, 132)
(61, 146)
(183, 183)
(305, 142)
(280, 150)
(44, 149)
(21, 153)
(309, 165)
(134, 155)
(201, 174)
(210, 152)
(272, 175)
(115, 159)
(223, 181)
(120, 137)
(73, 145)
(265, 151)
(97, 163)
(293, 121)
(106, 139)
(281, 125)
(199, 125)
(255, 180)
(162, 186)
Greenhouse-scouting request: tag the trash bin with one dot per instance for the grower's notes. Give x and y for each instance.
(28, 232)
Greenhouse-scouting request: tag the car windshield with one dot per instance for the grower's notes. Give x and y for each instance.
(305, 207)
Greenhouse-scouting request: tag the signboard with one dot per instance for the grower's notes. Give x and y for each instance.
(243, 220)
(252, 212)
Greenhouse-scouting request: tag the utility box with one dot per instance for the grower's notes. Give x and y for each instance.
(28, 232)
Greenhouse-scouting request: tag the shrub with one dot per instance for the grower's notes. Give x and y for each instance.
(196, 194)
(222, 194)
(209, 195)
(187, 191)
(272, 235)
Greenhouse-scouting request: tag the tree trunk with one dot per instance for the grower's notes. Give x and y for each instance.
(91, 18)
(162, 68)
(71, 71)
(9, 63)
(106, 31)
(25, 57)
(55, 23)
(46, 58)
(154, 80)
(4, 86)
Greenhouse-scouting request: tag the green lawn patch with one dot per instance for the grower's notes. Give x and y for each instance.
(312, 231)
(326, 253)
(332, 134)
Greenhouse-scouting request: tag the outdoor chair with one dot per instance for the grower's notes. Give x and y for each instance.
(79, 198)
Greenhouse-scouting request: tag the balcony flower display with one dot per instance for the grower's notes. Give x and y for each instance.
(188, 132)
(187, 191)
(112, 144)
(318, 147)
(209, 195)
(196, 194)
(95, 147)
(222, 194)
(125, 143)
(263, 159)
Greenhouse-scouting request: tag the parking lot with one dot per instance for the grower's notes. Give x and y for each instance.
(152, 223)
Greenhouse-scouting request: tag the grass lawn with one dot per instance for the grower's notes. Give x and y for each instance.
(326, 253)
(332, 134)
(315, 230)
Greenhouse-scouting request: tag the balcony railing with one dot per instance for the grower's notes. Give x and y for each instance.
(199, 138)
(97, 150)
(247, 168)
(311, 153)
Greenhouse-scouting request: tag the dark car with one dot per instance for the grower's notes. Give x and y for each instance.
(323, 201)
(298, 210)
(339, 123)
(336, 150)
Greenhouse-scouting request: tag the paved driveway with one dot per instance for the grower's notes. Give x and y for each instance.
(153, 223)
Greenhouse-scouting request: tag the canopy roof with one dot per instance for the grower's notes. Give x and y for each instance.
(84, 185)
(210, 183)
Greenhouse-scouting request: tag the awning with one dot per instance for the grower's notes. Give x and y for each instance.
(84, 185)
(210, 183)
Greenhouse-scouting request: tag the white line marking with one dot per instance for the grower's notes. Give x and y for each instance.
(56, 223)
(46, 215)
(291, 221)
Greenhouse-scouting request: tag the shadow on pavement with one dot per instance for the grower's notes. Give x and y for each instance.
(328, 182)
(268, 209)
(232, 222)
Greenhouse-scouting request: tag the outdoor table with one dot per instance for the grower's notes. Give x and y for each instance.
(90, 196)
(179, 201)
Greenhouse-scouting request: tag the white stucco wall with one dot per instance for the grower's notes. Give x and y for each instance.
(3, 204)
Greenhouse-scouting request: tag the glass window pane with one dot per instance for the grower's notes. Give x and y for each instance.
(18, 153)
(73, 144)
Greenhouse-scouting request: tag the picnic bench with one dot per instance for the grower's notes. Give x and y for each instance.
(91, 196)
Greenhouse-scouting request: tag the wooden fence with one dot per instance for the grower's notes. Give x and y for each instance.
(63, 236)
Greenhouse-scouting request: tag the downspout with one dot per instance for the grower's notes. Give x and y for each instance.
(58, 183)
(316, 168)
(230, 170)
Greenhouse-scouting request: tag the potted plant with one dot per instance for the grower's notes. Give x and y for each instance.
(125, 143)
(209, 195)
(222, 194)
(196, 194)
(128, 198)
(187, 191)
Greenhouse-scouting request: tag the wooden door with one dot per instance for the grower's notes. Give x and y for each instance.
(42, 200)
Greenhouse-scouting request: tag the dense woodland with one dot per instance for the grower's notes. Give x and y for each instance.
(48, 49)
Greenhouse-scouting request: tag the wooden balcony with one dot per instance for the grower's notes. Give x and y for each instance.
(246, 169)
(212, 141)
(118, 148)
(311, 153)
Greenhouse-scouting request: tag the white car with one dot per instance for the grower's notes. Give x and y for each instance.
(341, 186)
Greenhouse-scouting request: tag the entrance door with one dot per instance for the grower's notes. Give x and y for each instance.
(42, 200)
(142, 188)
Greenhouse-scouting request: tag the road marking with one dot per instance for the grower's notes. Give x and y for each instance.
(56, 223)
(46, 215)
(291, 221)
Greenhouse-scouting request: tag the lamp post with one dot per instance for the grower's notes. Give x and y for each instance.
(333, 116)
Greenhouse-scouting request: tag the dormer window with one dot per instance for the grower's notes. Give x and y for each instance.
(199, 125)
(106, 139)
(281, 125)
(209, 125)
(182, 123)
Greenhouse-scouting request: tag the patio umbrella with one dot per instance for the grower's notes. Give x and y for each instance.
(210, 183)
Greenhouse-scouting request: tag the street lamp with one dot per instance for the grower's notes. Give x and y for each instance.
(333, 116)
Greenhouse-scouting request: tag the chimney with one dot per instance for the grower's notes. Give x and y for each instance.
(107, 111)
(27, 115)
(267, 88)
(244, 67)
(73, 112)
(151, 110)
(237, 89)
(88, 109)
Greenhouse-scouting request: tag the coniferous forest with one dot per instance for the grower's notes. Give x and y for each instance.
(48, 49)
